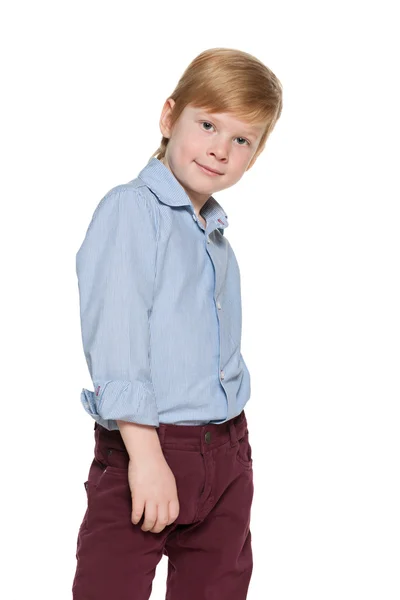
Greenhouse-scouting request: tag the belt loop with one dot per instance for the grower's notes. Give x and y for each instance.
(232, 432)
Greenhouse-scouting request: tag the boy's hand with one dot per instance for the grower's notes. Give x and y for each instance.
(153, 489)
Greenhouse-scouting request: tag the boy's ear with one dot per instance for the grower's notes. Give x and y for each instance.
(166, 112)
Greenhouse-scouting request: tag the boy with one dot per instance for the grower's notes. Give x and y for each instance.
(161, 322)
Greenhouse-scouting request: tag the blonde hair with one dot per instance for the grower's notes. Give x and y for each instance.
(231, 81)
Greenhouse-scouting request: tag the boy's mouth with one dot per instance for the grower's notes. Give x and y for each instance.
(208, 171)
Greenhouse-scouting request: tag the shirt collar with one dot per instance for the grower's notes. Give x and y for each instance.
(161, 181)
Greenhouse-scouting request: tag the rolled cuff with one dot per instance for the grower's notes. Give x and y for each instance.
(122, 400)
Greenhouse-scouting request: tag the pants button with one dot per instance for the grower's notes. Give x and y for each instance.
(207, 437)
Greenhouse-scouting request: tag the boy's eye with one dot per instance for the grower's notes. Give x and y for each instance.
(238, 138)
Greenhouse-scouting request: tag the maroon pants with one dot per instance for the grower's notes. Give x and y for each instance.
(208, 545)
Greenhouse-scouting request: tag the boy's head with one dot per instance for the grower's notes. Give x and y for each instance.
(220, 115)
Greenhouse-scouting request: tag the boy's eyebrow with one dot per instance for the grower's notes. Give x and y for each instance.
(215, 118)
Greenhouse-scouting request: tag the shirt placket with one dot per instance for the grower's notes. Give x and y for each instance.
(208, 231)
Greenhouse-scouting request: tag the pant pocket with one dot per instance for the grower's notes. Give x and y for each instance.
(109, 496)
(83, 524)
(244, 451)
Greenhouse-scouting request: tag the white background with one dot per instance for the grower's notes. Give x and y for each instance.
(83, 84)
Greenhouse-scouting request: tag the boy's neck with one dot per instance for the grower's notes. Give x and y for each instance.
(197, 204)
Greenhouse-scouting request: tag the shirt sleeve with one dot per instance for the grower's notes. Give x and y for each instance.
(116, 266)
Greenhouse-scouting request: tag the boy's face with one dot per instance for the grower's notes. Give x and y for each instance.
(218, 141)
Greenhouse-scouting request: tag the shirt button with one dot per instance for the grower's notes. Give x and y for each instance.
(194, 217)
(218, 305)
(208, 241)
(222, 374)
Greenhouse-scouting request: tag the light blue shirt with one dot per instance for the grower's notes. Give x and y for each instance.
(160, 307)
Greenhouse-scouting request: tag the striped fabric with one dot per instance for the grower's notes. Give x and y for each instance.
(160, 307)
